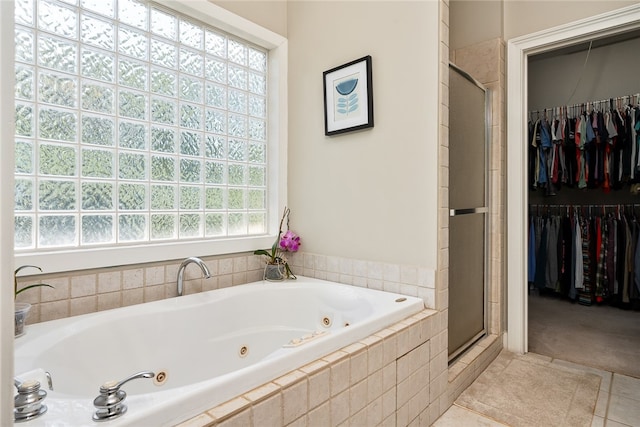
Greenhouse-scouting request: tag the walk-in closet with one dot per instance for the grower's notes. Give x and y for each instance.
(584, 204)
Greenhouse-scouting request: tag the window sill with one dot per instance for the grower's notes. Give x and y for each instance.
(82, 259)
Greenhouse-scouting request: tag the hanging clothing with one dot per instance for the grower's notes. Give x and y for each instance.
(589, 258)
(593, 149)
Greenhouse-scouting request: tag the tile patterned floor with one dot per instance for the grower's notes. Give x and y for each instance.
(617, 405)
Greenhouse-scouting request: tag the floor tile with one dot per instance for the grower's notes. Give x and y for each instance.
(626, 386)
(457, 416)
(496, 397)
(623, 410)
(606, 376)
(538, 357)
(615, 424)
(528, 391)
(601, 404)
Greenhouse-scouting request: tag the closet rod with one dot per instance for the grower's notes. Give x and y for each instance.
(632, 100)
(586, 205)
(620, 208)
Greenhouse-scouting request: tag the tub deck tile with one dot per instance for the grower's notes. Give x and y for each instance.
(228, 409)
(241, 419)
(335, 356)
(409, 338)
(390, 349)
(354, 348)
(370, 340)
(319, 387)
(356, 383)
(359, 366)
(340, 376)
(268, 412)
(314, 366)
(295, 401)
(375, 357)
(202, 420)
(290, 378)
(262, 392)
(384, 333)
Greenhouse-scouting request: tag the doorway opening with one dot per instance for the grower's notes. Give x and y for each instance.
(519, 49)
(582, 227)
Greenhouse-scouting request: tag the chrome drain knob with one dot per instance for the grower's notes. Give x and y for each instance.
(28, 402)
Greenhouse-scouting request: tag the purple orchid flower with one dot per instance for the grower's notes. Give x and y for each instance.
(290, 241)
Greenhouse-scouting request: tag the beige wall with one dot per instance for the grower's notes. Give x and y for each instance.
(467, 29)
(526, 17)
(271, 14)
(371, 194)
(476, 21)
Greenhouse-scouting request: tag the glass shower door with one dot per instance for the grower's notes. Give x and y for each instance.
(468, 187)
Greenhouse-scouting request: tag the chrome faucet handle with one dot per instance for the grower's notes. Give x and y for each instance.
(109, 403)
(28, 402)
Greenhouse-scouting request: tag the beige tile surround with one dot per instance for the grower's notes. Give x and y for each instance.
(88, 291)
(429, 395)
(415, 392)
(393, 377)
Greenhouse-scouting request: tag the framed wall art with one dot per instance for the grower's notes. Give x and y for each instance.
(348, 97)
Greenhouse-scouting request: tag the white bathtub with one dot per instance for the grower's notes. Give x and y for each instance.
(197, 340)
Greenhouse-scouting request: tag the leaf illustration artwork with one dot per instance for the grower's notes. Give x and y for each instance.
(348, 102)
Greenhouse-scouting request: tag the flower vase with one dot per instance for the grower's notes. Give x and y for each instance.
(21, 312)
(274, 272)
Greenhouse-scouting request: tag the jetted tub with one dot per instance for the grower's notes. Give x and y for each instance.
(212, 346)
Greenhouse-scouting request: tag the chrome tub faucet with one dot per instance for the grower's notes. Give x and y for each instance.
(183, 266)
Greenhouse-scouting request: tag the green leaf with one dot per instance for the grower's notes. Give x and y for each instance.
(22, 267)
(15, 280)
(33, 286)
(290, 274)
(274, 248)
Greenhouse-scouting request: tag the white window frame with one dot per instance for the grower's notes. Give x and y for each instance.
(277, 46)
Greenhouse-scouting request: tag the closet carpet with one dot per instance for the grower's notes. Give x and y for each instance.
(602, 337)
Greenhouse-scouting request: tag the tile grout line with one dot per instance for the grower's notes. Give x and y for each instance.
(606, 410)
(611, 375)
(480, 414)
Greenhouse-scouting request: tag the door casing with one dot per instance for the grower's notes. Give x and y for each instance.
(518, 51)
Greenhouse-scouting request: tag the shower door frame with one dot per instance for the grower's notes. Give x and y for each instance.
(483, 210)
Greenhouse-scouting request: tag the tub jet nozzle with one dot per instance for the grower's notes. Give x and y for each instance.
(160, 378)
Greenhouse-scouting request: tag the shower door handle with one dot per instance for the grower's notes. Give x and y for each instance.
(457, 212)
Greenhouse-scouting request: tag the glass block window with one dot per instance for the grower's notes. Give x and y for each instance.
(135, 124)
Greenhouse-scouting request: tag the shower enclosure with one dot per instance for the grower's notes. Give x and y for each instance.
(468, 211)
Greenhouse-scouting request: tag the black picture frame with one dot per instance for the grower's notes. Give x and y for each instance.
(345, 86)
